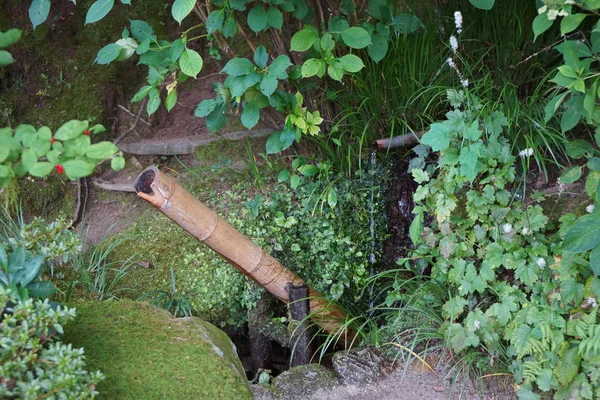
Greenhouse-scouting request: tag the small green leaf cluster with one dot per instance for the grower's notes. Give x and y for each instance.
(513, 291)
(54, 241)
(26, 150)
(33, 362)
(6, 39)
(20, 271)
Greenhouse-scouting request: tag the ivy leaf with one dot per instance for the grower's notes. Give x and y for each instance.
(250, 115)
(38, 12)
(455, 307)
(98, 10)
(190, 62)
(181, 9)
(257, 18)
(356, 38)
(437, 137)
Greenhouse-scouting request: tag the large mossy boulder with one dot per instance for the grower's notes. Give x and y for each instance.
(145, 353)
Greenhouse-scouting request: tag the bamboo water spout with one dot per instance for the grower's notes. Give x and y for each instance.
(204, 224)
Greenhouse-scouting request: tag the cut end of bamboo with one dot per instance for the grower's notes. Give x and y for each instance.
(143, 183)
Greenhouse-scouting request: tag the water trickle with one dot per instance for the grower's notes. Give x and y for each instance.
(372, 226)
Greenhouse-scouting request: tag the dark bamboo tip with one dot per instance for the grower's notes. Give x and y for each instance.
(144, 181)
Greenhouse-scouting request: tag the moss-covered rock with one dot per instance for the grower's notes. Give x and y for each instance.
(145, 353)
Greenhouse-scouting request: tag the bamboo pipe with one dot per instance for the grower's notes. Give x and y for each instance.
(399, 141)
(204, 224)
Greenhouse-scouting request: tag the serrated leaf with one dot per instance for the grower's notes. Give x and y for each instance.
(303, 40)
(181, 9)
(278, 67)
(351, 63)
(257, 18)
(356, 38)
(190, 62)
(98, 10)
(437, 137)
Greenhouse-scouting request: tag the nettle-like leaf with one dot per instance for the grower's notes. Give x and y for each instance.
(437, 137)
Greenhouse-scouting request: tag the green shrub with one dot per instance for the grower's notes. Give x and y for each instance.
(34, 364)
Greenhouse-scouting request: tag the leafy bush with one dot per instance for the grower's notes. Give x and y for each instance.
(34, 364)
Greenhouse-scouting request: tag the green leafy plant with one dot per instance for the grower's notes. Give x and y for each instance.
(176, 304)
(33, 361)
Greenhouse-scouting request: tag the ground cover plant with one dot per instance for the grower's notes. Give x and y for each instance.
(489, 279)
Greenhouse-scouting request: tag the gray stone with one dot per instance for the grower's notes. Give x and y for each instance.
(301, 382)
(260, 392)
(361, 367)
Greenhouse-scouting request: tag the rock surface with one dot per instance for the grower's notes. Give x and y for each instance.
(361, 367)
(145, 353)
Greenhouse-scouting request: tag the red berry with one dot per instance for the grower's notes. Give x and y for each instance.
(86, 132)
(60, 169)
(52, 141)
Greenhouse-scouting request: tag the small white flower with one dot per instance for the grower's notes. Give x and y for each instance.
(563, 13)
(525, 231)
(507, 228)
(542, 9)
(458, 21)
(591, 301)
(464, 82)
(541, 262)
(450, 62)
(590, 209)
(569, 2)
(476, 324)
(526, 153)
(453, 43)
(552, 14)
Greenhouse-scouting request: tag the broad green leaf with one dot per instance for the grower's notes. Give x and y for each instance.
(6, 172)
(141, 30)
(468, 163)
(274, 18)
(541, 24)
(215, 21)
(9, 37)
(98, 10)
(78, 168)
(205, 107)
(584, 234)
(416, 228)
(294, 181)
(312, 67)
(351, 63)
(38, 12)
(335, 71)
(483, 4)
(568, 367)
(571, 22)
(278, 67)
(257, 18)
(356, 38)
(252, 79)
(190, 62)
(268, 85)
(578, 148)
(327, 42)
(283, 176)
(41, 169)
(171, 100)
(569, 119)
(553, 105)
(144, 90)
(308, 170)
(108, 54)
(287, 137)
(571, 175)
(71, 130)
(332, 197)
(217, 119)
(406, 23)
(589, 102)
(100, 151)
(6, 58)
(437, 137)
(236, 85)
(181, 9)
(261, 57)
(595, 261)
(153, 101)
(230, 27)
(379, 48)
(273, 146)
(29, 159)
(250, 115)
(238, 66)
(303, 40)
(30, 271)
(117, 163)
(4, 152)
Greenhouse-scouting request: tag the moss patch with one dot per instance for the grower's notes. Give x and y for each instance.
(147, 354)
